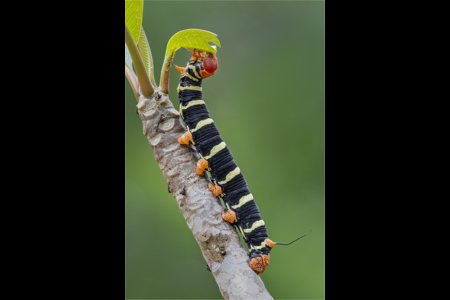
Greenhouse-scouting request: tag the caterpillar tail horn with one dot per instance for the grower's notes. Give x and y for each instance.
(293, 240)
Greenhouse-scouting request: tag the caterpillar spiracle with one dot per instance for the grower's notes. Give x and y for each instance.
(228, 181)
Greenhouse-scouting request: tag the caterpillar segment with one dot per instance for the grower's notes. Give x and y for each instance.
(229, 181)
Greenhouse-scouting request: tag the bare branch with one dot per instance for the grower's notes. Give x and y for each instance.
(220, 244)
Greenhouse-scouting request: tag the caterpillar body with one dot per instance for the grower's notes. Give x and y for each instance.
(229, 182)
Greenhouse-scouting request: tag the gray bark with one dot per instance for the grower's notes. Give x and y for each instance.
(162, 126)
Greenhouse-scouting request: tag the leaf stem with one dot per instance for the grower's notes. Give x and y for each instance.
(147, 88)
(132, 79)
(165, 73)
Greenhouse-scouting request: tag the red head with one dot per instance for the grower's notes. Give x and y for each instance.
(210, 65)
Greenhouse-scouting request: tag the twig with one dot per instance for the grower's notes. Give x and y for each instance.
(219, 242)
(144, 81)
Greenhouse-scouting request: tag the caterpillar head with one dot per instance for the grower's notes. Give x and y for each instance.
(259, 262)
(210, 65)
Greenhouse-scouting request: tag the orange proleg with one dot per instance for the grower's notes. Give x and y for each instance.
(217, 190)
(185, 138)
(202, 165)
(229, 216)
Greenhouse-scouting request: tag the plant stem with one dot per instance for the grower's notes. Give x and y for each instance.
(165, 73)
(147, 88)
(132, 79)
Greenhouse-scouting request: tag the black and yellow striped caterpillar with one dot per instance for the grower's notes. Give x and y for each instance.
(228, 181)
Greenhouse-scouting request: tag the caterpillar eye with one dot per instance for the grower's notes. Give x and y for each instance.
(210, 64)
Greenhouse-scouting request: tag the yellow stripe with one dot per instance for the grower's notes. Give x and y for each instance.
(192, 103)
(215, 150)
(191, 77)
(231, 175)
(195, 72)
(254, 226)
(190, 87)
(202, 123)
(243, 234)
(258, 247)
(243, 200)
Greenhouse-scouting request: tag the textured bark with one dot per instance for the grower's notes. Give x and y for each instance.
(220, 244)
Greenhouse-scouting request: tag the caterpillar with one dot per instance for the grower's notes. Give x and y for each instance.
(228, 181)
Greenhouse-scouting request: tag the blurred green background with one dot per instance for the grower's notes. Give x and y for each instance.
(267, 100)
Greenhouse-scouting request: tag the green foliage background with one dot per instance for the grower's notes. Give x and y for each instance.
(268, 102)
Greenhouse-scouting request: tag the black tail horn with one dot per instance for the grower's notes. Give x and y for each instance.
(294, 240)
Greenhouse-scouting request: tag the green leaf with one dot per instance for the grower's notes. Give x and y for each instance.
(146, 54)
(193, 39)
(133, 17)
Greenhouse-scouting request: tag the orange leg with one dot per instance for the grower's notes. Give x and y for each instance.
(217, 190)
(202, 165)
(185, 138)
(259, 264)
(195, 55)
(229, 216)
(182, 70)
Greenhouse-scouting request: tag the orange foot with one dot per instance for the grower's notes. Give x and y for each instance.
(217, 190)
(259, 264)
(229, 216)
(202, 165)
